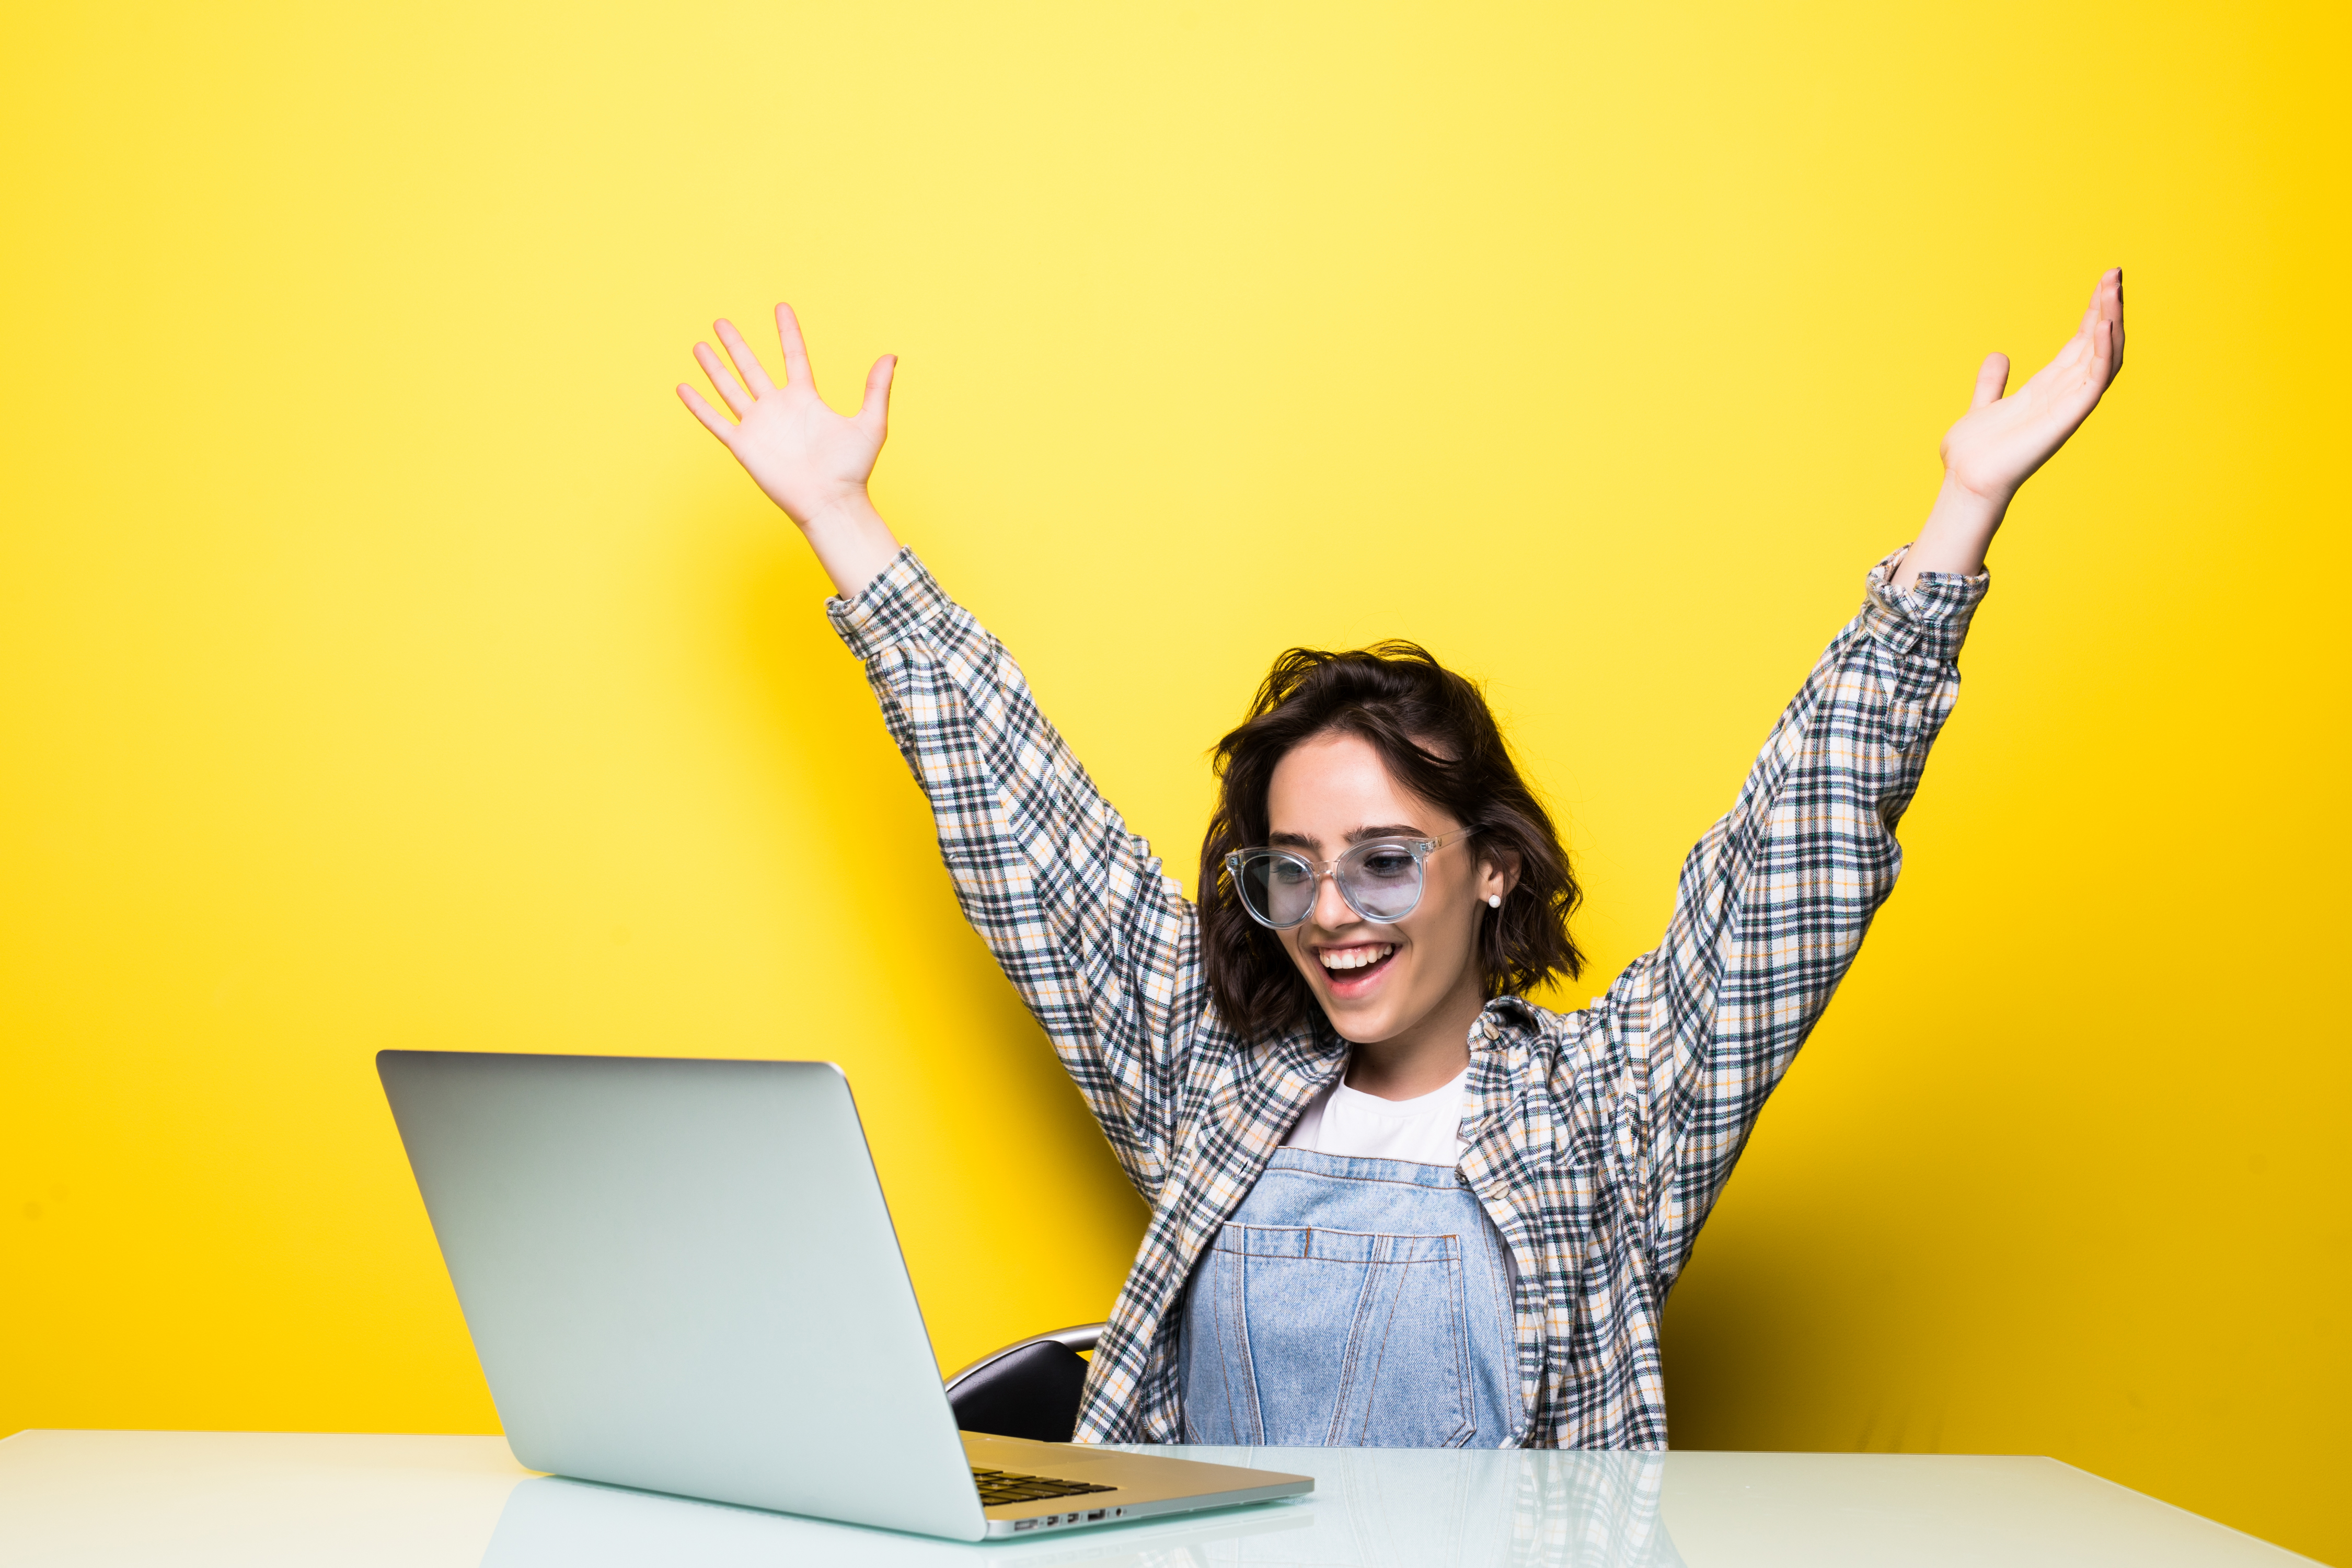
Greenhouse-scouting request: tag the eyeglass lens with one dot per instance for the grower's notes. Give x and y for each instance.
(1380, 881)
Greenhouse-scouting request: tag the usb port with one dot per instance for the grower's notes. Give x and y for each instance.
(1096, 1515)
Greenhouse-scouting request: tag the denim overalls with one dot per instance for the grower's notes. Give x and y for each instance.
(1352, 1303)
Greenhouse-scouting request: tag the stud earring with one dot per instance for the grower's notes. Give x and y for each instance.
(1494, 900)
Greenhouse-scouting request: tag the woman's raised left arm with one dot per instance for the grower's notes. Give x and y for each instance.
(1774, 901)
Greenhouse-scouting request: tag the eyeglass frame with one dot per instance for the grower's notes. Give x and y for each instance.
(1421, 849)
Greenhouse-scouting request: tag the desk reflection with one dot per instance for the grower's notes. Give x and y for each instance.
(1373, 1508)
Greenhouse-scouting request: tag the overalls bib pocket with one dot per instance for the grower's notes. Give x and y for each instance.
(1315, 1337)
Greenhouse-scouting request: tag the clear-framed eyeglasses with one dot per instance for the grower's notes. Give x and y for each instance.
(1379, 879)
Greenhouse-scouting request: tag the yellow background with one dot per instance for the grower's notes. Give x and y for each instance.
(386, 660)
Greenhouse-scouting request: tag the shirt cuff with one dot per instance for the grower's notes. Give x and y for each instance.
(902, 598)
(1930, 618)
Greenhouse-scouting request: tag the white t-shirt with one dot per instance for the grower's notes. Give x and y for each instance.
(1426, 1129)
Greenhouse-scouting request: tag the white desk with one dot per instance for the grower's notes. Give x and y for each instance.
(98, 1499)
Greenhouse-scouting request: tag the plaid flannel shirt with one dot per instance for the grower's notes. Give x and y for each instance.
(1595, 1139)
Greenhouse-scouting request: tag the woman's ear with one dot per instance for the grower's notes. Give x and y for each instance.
(1498, 873)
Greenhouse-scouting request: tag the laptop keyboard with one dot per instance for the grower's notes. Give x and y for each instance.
(1003, 1486)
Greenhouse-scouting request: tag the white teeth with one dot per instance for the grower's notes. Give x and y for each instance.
(1354, 957)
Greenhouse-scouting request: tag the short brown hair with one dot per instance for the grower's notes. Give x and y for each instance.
(1439, 740)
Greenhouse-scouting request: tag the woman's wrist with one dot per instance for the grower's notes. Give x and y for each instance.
(852, 542)
(1959, 530)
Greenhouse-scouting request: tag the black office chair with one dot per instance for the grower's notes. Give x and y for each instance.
(1028, 1389)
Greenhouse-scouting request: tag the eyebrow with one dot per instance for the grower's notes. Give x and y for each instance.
(1382, 830)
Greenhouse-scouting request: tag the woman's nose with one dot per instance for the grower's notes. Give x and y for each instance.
(1331, 908)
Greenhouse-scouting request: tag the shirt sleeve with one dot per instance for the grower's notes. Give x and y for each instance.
(1099, 941)
(1773, 902)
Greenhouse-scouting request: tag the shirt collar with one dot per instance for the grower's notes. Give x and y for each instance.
(1501, 1019)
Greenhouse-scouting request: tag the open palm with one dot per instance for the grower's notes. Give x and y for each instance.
(811, 461)
(1999, 441)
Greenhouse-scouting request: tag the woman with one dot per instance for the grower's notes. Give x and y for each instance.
(1393, 1202)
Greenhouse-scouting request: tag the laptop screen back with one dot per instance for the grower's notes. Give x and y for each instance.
(680, 1275)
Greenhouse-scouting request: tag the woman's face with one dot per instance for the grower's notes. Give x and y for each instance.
(1378, 981)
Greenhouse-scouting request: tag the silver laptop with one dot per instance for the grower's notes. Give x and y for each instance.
(681, 1276)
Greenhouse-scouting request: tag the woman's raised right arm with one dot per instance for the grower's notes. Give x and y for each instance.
(1099, 941)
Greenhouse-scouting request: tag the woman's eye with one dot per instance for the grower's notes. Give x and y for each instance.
(1389, 864)
(1289, 873)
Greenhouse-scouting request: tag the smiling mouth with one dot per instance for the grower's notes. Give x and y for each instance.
(1351, 968)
